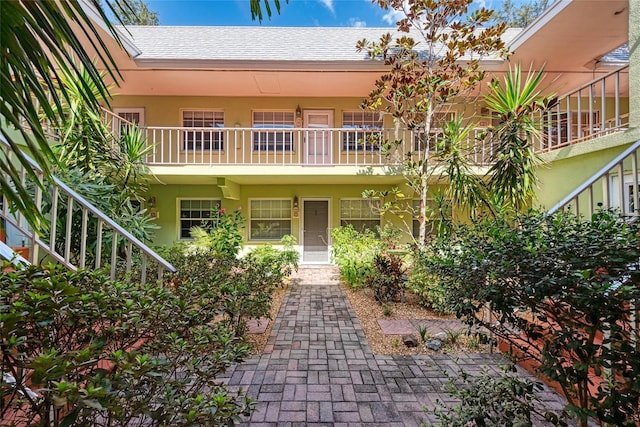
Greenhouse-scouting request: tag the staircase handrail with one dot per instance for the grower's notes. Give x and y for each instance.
(98, 213)
(594, 178)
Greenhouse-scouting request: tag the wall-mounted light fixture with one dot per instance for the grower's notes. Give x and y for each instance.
(298, 112)
(295, 212)
(151, 202)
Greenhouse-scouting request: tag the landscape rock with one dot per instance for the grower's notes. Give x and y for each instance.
(440, 336)
(410, 340)
(433, 344)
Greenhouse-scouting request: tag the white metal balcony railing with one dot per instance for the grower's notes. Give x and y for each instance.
(595, 109)
(592, 110)
(71, 220)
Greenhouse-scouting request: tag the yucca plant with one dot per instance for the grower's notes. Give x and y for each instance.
(515, 103)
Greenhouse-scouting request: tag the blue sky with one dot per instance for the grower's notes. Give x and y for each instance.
(332, 13)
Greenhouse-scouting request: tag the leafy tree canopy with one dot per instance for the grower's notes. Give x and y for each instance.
(135, 12)
(520, 15)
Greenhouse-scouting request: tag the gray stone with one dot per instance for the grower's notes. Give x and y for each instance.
(410, 340)
(433, 344)
(440, 336)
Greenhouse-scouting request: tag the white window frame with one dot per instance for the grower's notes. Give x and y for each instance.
(179, 218)
(345, 221)
(435, 132)
(251, 218)
(273, 138)
(204, 138)
(127, 110)
(363, 134)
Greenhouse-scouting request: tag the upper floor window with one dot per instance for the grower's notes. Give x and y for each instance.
(435, 140)
(276, 130)
(364, 132)
(207, 134)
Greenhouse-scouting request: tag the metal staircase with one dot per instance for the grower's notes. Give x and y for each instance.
(98, 241)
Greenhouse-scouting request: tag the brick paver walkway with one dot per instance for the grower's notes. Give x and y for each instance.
(318, 370)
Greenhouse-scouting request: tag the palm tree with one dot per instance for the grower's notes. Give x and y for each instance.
(39, 41)
(512, 178)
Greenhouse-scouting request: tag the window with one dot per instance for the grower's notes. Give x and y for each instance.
(435, 140)
(434, 216)
(270, 219)
(359, 214)
(133, 115)
(195, 213)
(364, 133)
(208, 135)
(280, 135)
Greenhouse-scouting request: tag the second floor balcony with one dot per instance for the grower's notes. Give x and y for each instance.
(598, 108)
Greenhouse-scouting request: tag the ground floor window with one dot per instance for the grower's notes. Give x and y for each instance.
(359, 214)
(270, 219)
(195, 213)
(434, 217)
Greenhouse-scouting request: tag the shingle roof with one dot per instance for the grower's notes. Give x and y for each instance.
(256, 43)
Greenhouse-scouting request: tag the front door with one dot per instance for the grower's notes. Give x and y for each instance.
(316, 231)
(318, 137)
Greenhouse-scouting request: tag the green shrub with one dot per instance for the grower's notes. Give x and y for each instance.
(85, 350)
(387, 278)
(494, 400)
(426, 285)
(277, 263)
(354, 252)
(577, 279)
(222, 234)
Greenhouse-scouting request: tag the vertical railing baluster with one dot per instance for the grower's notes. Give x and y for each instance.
(129, 256)
(143, 268)
(603, 106)
(605, 191)
(83, 237)
(54, 218)
(623, 209)
(67, 231)
(590, 201)
(114, 254)
(99, 244)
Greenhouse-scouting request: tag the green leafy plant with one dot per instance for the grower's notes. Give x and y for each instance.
(426, 285)
(453, 336)
(386, 309)
(222, 233)
(423, 331)
(277, 263)
(575, 280)
(387, 278)
(84, 350)
(354, 253)
(495, 400)
(516, 103)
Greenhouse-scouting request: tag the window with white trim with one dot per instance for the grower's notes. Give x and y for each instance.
(207, 133)
(434, 142)
(275, 130)
(130, 114)
(270, 219)
(364, 132)
(359, 214)
(195, 213)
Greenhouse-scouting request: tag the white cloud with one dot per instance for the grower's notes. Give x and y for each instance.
(393, 15)
(357, 22)
(328, 4)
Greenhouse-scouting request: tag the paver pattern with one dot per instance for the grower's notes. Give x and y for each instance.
(317, 368)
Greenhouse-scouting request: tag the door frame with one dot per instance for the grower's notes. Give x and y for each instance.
(329, 225)
(305, 125)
